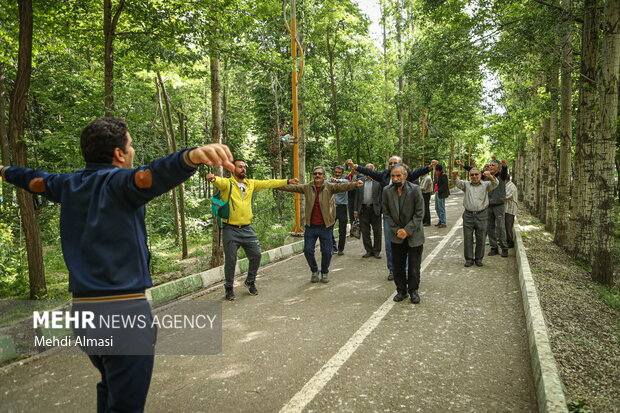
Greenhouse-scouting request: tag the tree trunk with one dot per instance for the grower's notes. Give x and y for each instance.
(19, 97)
(580, 241)
(332, 84)
(401, 83)
(552, 150)
(180, 215)
(109, 27)
(217, 257)
(603, 191)
(566, 131)
(5, 149)
(173, 194)
(543, 174)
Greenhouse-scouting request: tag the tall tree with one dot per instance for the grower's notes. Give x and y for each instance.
(4, 140)
(605, 141)
(580, 241)
(19, 99)
(566, 127)
(110, 21)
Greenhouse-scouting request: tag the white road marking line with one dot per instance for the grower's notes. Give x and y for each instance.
(329, 369)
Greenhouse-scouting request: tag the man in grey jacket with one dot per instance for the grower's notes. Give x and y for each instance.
(475, 201)
(403, 206)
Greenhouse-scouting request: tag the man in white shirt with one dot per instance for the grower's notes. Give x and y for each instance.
(475, 201)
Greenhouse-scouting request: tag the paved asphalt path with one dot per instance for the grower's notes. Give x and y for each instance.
(344, 346)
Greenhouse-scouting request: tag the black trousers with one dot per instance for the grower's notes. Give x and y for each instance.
(341, 220)
(368, 220)
(406, 279)
(427, 207)
(351, 199)
(510, 223)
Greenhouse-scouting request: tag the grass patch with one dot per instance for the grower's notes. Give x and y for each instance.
(609, 295)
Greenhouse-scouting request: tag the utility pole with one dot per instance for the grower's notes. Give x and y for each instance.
(295, 47)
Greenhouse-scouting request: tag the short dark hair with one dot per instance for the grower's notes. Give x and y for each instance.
(99, 139)
(439, 167)
(238, 160)
(495, 161)
(339, 167)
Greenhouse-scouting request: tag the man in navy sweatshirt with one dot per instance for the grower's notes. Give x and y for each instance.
(103, 237)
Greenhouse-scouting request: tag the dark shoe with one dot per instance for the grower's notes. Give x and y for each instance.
(251, 288)
(441, 226)
(377, 256)
(230, 294)
(493, 252)
(479, 263)
(391, 276)
(324, 278)
(315, 277)
(340, 252)
(469, 263)
(426, 225)
(399, 297)
(511, 245)
(438, 224)
(368, 254)
(504, 253)
(415, 298)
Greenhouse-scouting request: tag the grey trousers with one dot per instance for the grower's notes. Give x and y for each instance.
(497, 226)
(474, 223)
(244, 237)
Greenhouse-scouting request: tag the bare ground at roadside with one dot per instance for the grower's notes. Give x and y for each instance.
(584, 330)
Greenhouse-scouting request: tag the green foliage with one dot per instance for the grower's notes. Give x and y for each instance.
(579, 407)
(609, 295)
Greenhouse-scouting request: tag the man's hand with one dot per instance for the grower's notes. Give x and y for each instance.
(402, 234)
(2, 173)
(351, 164)
(359, 183)
(210, 177)
(212, 154)
(488, 174)
(293, 181)
(459, 163)
(493, 157)
(332, 179)
(504, 162)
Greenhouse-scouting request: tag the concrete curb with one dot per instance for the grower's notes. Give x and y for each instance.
(549, 388)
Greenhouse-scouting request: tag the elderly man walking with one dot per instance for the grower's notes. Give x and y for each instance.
(320, 218)
(475, 202)
(403, 207)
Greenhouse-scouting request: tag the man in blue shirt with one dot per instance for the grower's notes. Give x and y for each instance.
(103, 237)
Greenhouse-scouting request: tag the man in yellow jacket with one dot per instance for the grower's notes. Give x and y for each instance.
(237, 230)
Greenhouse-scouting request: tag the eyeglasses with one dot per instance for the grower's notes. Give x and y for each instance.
(392, 163)
(474, 174)
(317, 173)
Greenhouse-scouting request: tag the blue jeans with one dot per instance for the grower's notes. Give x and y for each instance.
(326, 239)
(388, 243)
(440, 208)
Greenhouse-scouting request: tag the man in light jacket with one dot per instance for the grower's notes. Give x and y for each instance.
(403, 206)
(320, 218)
(511, 211)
